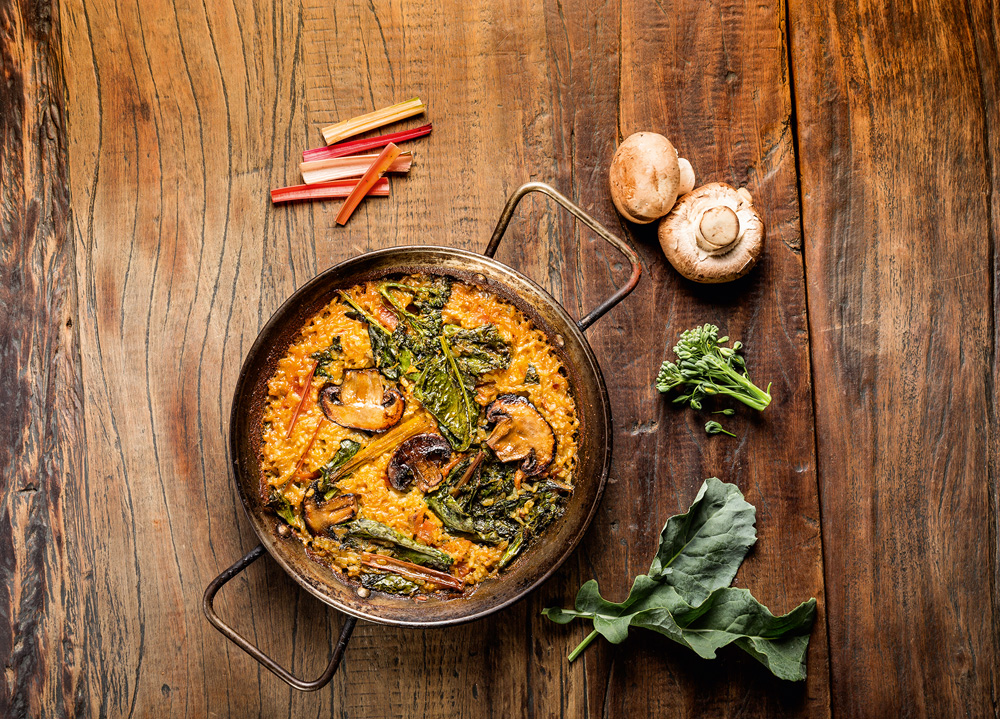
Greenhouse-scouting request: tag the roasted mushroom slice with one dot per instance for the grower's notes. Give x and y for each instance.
(363, 401)
(419, 460)
(322, 515)
(520, 433)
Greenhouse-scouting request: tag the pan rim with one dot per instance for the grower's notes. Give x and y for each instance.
(569, 327)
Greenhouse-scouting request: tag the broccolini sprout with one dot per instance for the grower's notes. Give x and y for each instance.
(713, 427)
(706, 368)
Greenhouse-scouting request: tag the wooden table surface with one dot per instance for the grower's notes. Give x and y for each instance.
(140, 256)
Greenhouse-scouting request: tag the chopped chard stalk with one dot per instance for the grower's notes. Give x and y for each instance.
(371, 176)
(467, 475)
(410, 570)
(306, 391)
(354, 147)
(326, 191)
(312, 441)
(343, 168)
(372, 120)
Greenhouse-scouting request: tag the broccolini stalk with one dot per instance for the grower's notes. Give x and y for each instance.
(707, 368)
(714, 427)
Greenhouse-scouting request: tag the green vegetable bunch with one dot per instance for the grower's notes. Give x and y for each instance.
(443, 361)
(707, 368)
(686, 594)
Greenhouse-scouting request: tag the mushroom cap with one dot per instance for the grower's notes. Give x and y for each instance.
(362, 401)
(419, 458)
(644, 177)
(322, 515)
(713, 234)
(521, 433)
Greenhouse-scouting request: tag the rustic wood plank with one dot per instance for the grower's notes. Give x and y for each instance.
(43, 635)
(177, 111)
(713, 77)
(527, 93)
(897, 107)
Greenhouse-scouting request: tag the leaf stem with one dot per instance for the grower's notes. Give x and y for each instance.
(582, 645)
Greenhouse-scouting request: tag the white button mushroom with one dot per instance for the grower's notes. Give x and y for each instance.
(713, 234)
(646, 177)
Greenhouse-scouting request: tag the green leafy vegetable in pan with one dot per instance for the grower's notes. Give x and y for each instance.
(707, 368)
(385, 343)
(389, 583)
(325, 358)
(444, 360)
(287, 511)
(450, 512)
(348, 448)
(489, 529)
(686, 594)
(478, 350)
(443, 392)
(424, 326)
(531, 376)
(404, 547)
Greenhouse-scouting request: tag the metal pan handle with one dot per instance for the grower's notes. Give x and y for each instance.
(266, 661)
(578, 213)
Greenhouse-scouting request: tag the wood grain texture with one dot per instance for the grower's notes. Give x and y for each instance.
(181, 115)
(43, 603)
(723, 97)
(898, 133)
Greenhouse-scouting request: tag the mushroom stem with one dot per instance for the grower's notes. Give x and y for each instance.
(719, 228)
(686, 183)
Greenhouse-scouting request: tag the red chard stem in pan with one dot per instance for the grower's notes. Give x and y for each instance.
(410, 571)
(306, 391)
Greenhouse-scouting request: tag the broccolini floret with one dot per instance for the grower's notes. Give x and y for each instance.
(707, 368)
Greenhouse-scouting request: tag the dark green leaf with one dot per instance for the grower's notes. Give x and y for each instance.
(325, 358)
(440, 389)
(732, 615)
(513, 549)
(701, 549)
(686, 595)
(450, 512)
(288, 512)
(478, 350)
(348, 448)
(389, 583)
(423, 327)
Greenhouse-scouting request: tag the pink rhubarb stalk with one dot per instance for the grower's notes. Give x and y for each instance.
(354, 147)
(326, 191)
(341, 168)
